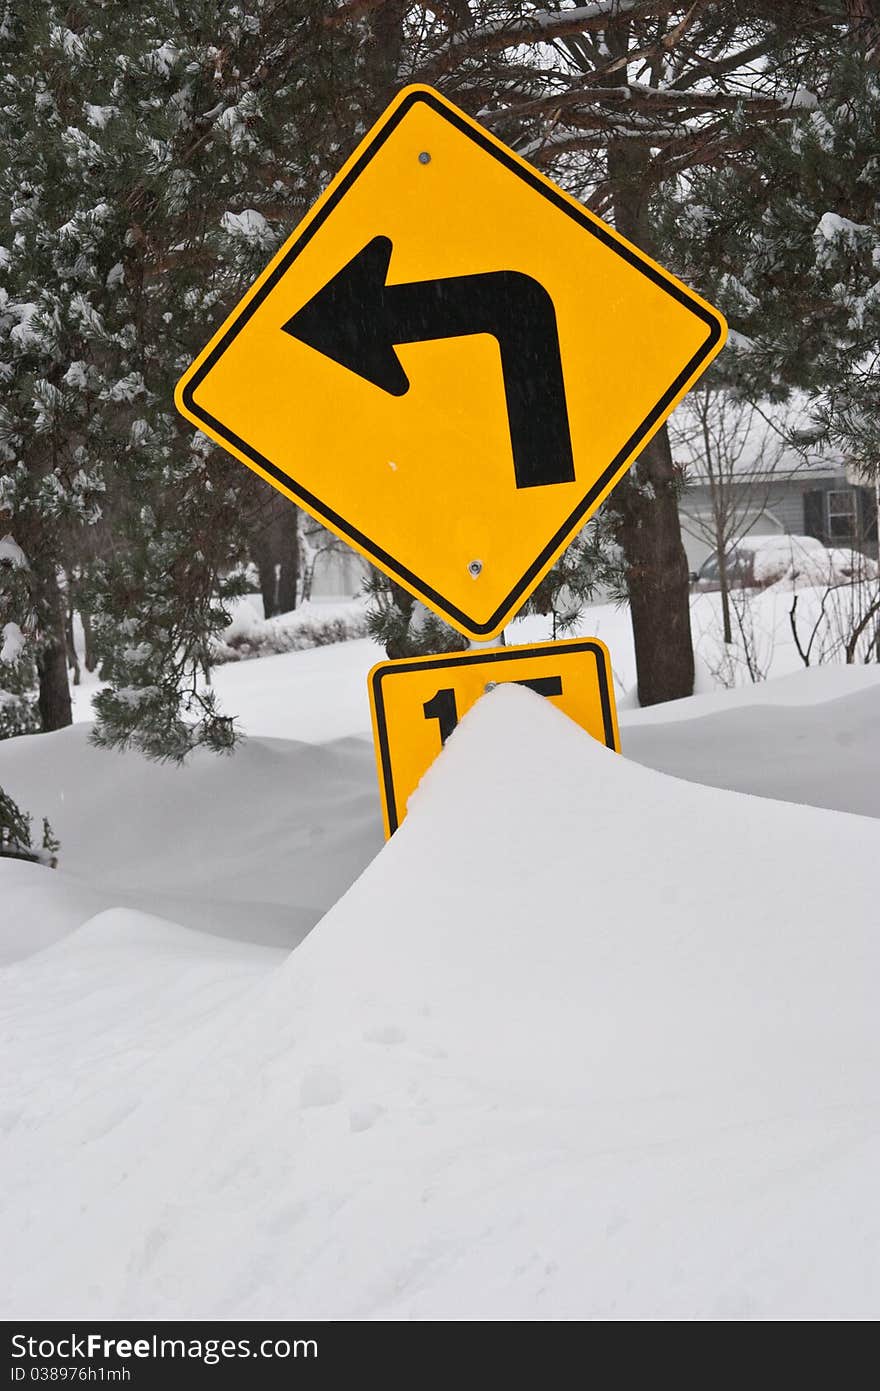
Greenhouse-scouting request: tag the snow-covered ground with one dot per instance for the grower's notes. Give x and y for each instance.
(584, 1040)
(257, 845)
(323, 699)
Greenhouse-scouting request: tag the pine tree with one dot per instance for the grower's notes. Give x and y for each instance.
(18, 713)
(18, 676)
(403, 624)
(150, 163)
(788, 238)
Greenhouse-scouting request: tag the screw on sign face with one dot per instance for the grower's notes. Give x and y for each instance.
(450, 363)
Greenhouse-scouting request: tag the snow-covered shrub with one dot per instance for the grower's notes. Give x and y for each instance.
(852, 565)
(18, 676)
(311, 625)
(16, 840)
(18, 706)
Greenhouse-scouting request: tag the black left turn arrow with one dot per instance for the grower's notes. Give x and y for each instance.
(356, 319)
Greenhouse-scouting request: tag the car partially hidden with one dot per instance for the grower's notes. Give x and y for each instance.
(755, 562)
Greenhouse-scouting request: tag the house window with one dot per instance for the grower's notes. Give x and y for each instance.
(842, 515)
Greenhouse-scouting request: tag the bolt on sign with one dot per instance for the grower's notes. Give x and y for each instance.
(450, 362)
(417, 702)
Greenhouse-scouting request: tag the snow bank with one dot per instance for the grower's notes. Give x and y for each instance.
(804, 686)
(258, 845)
(584, 1041)
(316, 695)
(808, 738)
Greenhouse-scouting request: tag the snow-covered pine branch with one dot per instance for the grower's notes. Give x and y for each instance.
(638, 96)
(543, 26)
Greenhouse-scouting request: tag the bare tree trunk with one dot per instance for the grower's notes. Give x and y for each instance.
(289, 559)
(727, 632)
(274, 550)
(53, 701)
(91, 661)
(724, 584)
(864, 23)
(384, 49)
(644, 505)
(655, 566)
(263, 555)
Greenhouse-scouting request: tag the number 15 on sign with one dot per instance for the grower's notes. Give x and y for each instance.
(417, 702)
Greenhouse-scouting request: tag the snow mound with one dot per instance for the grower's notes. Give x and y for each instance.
(811, 737)
(256, 846)
(584, 1041)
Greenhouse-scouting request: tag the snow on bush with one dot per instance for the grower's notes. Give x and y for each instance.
(249, 225)
(311, 625)
(11, 553)
(12, 644)
(852, 565)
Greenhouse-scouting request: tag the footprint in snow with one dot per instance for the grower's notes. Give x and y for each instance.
(364, 1117)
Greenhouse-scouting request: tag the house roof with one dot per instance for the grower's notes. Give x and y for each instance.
(758, 443)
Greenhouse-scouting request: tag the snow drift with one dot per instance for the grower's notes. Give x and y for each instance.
(583, 1041)
(258, 845)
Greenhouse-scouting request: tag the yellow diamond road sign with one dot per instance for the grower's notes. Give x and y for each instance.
(450, 362)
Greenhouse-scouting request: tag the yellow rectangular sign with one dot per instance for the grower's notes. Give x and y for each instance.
(450, 362)
(417, 702)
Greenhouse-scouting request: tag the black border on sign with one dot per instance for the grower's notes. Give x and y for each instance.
(340, 524)
(461, 659)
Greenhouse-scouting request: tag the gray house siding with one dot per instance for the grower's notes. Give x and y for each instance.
(827, 507)
(786, 502)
